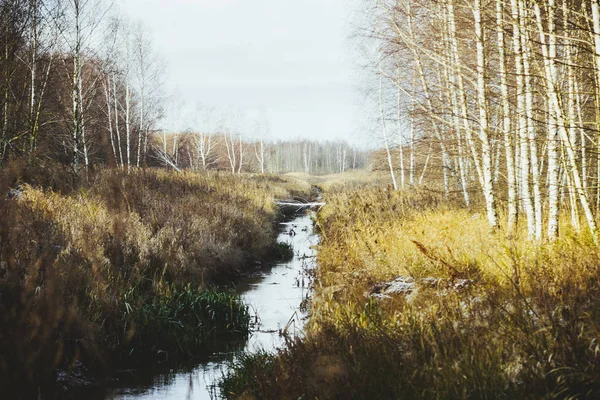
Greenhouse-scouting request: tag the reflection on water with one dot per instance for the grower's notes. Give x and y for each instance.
(275, 295)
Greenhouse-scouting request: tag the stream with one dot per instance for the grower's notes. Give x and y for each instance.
(275, 295)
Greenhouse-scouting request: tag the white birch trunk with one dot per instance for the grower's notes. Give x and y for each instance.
(32, 105)
(5, 97)
(384, 130)
(488, 184)
(452, 96)
(426, 163)
(583, 139)
(531, 134)
(231, 153)
(117, 129)
(76, 89)
(596, 27)
(462, 94)
(259, 151)
(83, 138)
(106, 86)
(400, 140)
(506, 122)
(142, 129)
(128, 122)
(241, 151)
(550, 56)
(522, 126)
(411, 177)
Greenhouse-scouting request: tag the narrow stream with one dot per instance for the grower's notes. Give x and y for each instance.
(275, 295)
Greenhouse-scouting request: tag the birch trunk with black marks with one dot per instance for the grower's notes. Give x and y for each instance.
(506, 122)
(486, 156)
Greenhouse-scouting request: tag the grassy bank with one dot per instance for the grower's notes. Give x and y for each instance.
(114, 265)
(417, 299)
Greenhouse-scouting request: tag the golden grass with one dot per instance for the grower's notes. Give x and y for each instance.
(344, 181)
(504, 317)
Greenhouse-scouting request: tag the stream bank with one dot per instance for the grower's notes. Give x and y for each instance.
(275, 295)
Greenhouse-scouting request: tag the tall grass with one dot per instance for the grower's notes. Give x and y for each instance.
(495, 318)
(114, 264)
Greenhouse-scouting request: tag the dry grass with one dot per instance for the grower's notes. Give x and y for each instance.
(344, 181)
(89, 269)
(502, 318)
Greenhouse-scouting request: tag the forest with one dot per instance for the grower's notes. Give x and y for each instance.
(453, 254)
(505, 92)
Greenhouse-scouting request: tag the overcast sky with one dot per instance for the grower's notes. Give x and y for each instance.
(291, 58)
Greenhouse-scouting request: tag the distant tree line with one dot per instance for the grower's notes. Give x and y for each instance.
(231, 152)
(82, 86)
(316, 157)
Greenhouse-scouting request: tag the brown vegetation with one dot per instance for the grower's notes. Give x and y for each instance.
(101, 266)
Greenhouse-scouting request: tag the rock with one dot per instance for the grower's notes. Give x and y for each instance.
(407, 286)
(379, 287)
(460, 284)
(404, 285)
(430, 281)
(15, 193)
(75, 377)
(380, 296)
(401, 285)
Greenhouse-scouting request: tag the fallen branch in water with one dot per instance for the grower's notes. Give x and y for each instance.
(298, 204)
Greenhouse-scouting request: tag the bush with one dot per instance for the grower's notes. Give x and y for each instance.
(283, 252)
(248, 374)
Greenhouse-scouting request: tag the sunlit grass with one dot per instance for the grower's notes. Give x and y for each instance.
(495, 317)
(345, 180)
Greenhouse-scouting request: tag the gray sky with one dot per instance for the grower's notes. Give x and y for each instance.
(290, 57)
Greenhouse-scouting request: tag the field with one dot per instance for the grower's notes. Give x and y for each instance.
(416, 298)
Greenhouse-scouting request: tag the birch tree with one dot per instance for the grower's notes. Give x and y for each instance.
(528, 57)
(84, 18)
(262, 131)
